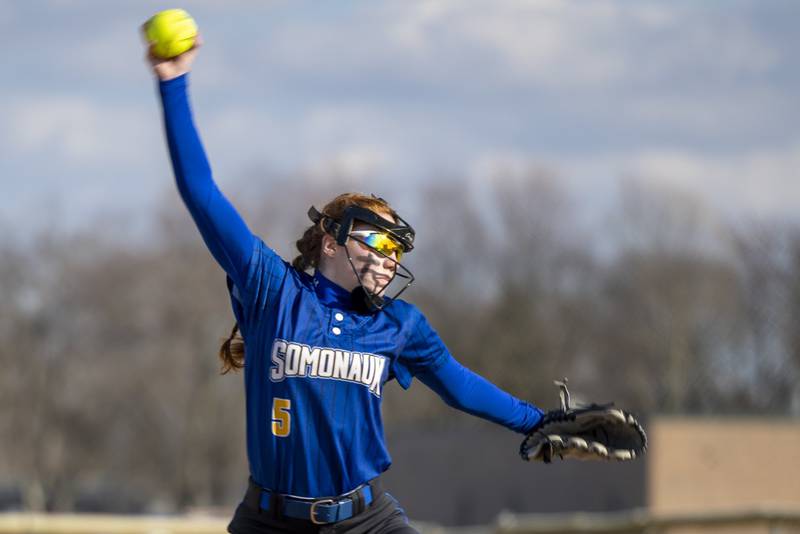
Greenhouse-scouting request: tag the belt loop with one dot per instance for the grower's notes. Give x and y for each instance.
(276, 505)
(253, 495)
(358, 502)
(376, 488)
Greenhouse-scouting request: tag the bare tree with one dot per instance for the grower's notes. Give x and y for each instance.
(766, 258)
(110, 377)
(669, 295)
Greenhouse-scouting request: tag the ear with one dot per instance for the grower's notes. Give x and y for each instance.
(329, 246)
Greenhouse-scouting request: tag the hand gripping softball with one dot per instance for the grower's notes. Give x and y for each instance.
(593, 432)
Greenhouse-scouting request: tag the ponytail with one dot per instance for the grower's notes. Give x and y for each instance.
(309, 247)
(232, 352)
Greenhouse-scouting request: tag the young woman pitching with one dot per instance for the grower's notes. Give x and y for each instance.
(321, 339)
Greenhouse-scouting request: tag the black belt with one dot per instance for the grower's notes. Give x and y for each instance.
(318, 511)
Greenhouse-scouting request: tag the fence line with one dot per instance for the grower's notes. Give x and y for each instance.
(22, 523)
(636, 521)
(642, 521)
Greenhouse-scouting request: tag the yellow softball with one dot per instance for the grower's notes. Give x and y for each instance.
(170, 32)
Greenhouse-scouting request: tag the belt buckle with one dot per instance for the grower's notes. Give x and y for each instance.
(312, 512)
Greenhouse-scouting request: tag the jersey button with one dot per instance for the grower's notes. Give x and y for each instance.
(336, 330)
(339, 316)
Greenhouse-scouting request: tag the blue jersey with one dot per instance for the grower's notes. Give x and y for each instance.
(315, 367)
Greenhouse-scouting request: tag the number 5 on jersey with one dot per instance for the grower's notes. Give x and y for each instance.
(281, 417)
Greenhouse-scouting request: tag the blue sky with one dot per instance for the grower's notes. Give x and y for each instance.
(699, 95)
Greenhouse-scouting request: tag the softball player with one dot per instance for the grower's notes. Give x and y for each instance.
(320, 347)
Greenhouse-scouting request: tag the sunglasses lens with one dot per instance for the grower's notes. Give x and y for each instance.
(384, 244)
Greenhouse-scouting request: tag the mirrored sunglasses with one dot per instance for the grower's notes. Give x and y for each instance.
(380, 241)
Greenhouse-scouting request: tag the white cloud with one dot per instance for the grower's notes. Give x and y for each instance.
(518, 41)
(571, 44)
(359, 162)
(329, 123)
(713, 113)
(312, 135)
(75, 131)
(409, 88)
(538, 42)
(411, 26)
(759, 181)
(755, 182)
(66, 125)
(493, 162)
(663, 65)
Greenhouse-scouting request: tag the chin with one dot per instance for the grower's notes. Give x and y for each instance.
(375, 287)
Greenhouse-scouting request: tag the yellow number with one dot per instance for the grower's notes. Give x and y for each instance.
(281, 420)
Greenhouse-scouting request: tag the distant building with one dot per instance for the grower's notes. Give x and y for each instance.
(694, 465)
(723, 465)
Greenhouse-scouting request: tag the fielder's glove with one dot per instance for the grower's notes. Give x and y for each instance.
(593, 432)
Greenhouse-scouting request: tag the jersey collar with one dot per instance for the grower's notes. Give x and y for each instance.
(331, 294)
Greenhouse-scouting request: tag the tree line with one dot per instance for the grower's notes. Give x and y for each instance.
(110, 389)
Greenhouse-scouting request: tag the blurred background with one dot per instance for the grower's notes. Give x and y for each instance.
(602, 190)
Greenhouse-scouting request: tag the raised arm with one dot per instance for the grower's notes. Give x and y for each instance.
(224, 231)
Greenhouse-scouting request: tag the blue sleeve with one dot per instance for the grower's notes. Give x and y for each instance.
(466, 391)
(259, 294)
(426, 357)
(224, 232)
(424, 349)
